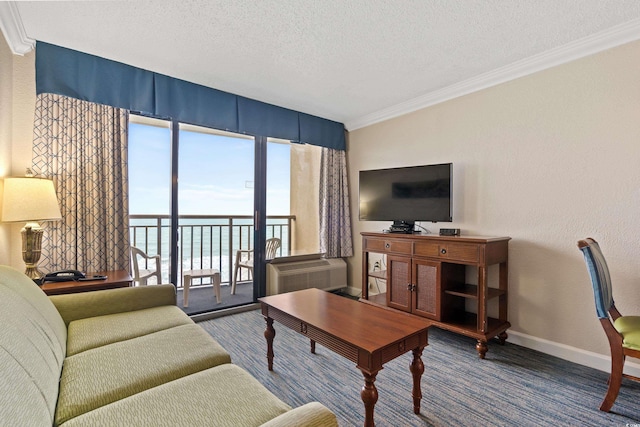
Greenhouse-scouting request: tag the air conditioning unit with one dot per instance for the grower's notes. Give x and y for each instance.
(327, 274)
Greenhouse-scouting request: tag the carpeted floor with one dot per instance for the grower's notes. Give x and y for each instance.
(513, 386)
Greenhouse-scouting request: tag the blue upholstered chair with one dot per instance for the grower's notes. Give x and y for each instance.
(623, 332)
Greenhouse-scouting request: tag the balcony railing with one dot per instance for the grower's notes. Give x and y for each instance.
(204, 241)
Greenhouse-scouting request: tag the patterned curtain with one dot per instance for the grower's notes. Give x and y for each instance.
(335, 216)
(82, 146)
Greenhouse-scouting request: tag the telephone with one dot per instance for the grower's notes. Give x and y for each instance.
(64, 276)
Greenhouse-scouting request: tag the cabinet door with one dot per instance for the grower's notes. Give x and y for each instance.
(427, 292)
(399, 282)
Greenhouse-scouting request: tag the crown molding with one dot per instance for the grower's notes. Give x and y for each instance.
(13, 30)
(590, 45)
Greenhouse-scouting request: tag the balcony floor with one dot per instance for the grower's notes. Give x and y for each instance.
(202, 299)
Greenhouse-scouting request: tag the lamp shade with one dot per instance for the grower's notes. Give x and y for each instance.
(29, 199)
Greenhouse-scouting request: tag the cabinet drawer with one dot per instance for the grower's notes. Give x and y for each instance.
(388, 245)
(448, 251)
(461, 252)
(428, 249)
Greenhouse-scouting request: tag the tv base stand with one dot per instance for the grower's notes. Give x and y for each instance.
(402, 227)
(426, 276)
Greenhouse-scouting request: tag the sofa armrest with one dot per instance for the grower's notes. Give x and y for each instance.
(99, 303)
(312, 414)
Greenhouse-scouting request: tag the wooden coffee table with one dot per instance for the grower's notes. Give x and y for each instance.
(367, 335)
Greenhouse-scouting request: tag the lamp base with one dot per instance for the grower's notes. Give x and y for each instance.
(34, 274)
(31, 248)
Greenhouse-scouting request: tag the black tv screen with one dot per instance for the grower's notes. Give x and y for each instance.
(417, 193)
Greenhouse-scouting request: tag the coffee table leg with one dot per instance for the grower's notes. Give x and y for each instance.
(313, 347)
(369, 396)
(269, 334)
(417, 369)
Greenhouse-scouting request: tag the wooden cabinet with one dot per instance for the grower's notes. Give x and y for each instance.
(426, 275)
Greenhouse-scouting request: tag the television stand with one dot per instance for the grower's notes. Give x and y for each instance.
(402, 227)
(432, 277)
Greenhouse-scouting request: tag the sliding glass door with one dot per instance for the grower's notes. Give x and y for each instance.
(150, 189)
(206, 200)
(215, 204)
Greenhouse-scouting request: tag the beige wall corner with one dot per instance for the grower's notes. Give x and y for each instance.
(6, 108)
(17, 106)
(546, 159)
(24, 102)
(305, 178)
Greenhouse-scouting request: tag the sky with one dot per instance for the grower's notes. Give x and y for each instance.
(215, 173)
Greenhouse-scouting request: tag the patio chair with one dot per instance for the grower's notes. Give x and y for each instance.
(244, 259)
(140, 275)
(623, 332)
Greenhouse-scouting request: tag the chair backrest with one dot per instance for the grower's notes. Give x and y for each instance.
(600, 278)
(135, 254)
(272, 247)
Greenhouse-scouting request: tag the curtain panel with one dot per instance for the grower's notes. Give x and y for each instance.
(82, 146)
(336, 239)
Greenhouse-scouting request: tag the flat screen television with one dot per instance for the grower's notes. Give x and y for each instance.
(408, 194)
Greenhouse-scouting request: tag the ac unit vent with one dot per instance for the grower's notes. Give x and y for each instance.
(300, 265)
(326, 274)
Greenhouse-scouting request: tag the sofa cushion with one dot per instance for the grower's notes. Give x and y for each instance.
(106, 374)
(629, 328)
(313, 414)
(35, 305)
(222, 396)
(110, 301)
(22, 401)
(33, 342)
(85, 334)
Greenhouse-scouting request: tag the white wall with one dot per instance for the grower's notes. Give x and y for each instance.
(547, 159)
(305, 178)
(6, 85)
(17, 105)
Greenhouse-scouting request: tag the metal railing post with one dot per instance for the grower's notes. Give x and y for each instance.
(146, 238)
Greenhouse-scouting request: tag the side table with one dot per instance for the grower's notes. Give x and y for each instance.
(115, 279)
(187, 275)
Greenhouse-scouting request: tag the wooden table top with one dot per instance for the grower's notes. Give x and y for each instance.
(364, 325)
(115, 279)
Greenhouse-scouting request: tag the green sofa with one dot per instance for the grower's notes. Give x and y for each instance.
(123, 357)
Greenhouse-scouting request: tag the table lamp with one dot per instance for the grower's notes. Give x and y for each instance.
(29, 199)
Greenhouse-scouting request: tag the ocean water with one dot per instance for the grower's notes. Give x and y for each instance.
(203, 242)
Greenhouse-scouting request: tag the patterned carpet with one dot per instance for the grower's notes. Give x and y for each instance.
(513, 386)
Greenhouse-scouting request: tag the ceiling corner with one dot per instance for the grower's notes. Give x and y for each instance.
(607, 39)
(13, 30)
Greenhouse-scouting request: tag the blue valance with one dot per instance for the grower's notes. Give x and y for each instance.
(91, 78)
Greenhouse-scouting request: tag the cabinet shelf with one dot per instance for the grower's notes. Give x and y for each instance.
(466, 324)
(379, 299)
(471, 291)
(378, 274)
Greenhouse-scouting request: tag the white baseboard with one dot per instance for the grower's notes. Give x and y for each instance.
(572, 354)
(563, 351)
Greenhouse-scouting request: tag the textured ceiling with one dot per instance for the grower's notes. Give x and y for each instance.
(339, 59)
